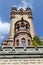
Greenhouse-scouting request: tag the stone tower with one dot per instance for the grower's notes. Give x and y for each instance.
(21, 28)
(18, 49)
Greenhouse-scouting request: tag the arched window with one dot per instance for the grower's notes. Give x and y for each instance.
(17, 26)
(27, 26)
(23, 42)
(22, 27)
(28, 42)
(17, 42)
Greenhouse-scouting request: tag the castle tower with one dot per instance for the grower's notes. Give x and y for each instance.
(21, 28)
(18, 49)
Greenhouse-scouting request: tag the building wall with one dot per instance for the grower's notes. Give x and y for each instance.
(24, 61)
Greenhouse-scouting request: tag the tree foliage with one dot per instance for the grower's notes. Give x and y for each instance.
(36, 41)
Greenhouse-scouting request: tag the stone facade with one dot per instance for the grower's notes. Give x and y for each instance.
(22, 19)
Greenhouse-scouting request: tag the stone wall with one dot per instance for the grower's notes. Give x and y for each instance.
(24, 61)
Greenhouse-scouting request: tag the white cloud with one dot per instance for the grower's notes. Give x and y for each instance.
(4, 29)
(25, 4)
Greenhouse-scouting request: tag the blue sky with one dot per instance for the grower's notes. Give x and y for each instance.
(5, 7)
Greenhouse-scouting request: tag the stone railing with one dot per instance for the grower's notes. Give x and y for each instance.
(21, 52)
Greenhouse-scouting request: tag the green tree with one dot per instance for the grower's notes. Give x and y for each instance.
(36, 41)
